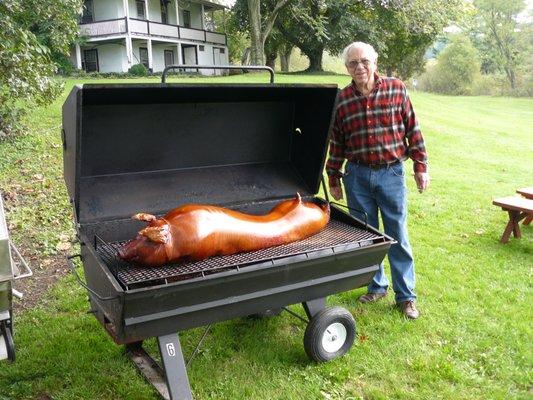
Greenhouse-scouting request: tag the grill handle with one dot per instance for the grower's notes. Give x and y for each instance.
(242, 68)
(342, 205)
(83, 284)
(352, 209)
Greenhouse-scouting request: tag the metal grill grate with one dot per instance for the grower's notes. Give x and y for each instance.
(336, 235)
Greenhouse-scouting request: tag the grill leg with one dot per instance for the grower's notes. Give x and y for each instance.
(171, 381)
(174, 365)
(312, 307)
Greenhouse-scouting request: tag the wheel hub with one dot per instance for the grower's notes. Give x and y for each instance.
(334, 337)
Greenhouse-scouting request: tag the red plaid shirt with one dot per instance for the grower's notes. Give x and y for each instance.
(378, 129)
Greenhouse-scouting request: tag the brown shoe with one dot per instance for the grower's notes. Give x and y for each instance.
(372, 297)
(408, 309)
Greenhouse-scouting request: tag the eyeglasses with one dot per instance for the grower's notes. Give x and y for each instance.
(354, 63)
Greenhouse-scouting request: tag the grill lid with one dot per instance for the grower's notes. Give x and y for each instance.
(153, 147)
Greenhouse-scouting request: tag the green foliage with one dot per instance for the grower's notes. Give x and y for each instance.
(138, 70)
(403, 31)
(31, 31)
(502, 41)
(456, 70)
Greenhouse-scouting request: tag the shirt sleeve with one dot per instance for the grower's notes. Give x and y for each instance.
(415, 140)
(336, 153)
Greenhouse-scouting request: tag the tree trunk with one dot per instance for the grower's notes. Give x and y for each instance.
(285, 59)
(509, 71)
(315, 59)
(254, 13)
(271, 60)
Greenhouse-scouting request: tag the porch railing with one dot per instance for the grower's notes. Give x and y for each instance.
(101, 28)
(143, 27)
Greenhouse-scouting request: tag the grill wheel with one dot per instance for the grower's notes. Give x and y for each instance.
(7, 340)
(329, 334)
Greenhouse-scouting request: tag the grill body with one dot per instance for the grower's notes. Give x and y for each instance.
(151, 148)
(173, 301)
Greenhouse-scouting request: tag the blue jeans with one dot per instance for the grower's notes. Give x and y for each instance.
(385, 190)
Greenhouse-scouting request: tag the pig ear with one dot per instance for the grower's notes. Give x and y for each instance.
(144, 217)
(157, 234)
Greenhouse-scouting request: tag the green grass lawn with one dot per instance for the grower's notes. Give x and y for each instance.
(473, 340)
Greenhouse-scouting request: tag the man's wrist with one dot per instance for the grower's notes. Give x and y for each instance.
(334, 182)
(420, 167)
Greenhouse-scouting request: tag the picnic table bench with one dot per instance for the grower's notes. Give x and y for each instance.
(518, 208)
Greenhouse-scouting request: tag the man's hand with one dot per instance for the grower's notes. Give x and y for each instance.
(336, 192)
(422, 181)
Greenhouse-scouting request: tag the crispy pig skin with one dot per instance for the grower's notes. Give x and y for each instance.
(196, 232)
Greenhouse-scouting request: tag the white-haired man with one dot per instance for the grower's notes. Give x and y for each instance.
(375, 130)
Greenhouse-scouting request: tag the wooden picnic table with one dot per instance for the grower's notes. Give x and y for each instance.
(528, 194)
(518, 208)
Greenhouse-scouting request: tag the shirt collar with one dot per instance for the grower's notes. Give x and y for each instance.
(378, 80)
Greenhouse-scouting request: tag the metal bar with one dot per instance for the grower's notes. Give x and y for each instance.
(313, 307)
(326, 194)
(199, 344)
(243, 68)
(352, 209)
(72, 267)
(149, 368)
(29, 272)
(174, 366)
(296, 315)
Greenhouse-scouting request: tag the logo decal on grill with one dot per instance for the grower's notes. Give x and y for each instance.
(171, 350)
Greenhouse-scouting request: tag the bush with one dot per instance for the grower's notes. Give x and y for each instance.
(456, 70)
(138, 70)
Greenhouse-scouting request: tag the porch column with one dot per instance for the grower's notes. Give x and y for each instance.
(129, 51)
(179, 61)
(78, 56)
(127, 39)
(203, 18)
(150, 59)
(146, 11)
(177, 12)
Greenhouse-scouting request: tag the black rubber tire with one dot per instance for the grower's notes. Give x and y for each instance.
(5, 330)
(316, 328)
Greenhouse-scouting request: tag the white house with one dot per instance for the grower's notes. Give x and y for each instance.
(156, 33)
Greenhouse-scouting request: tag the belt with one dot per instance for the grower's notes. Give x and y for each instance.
(375, 166)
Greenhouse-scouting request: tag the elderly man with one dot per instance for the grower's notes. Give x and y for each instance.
(375, 130)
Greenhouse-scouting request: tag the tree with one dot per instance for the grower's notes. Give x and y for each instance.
(403, 31)
(457, 68)
(498, 31)
(31, 31)
(260, 28)
(314, 26)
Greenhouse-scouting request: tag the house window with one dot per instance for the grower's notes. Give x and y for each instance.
(143, 56)
(88, 12)
(201, 48)
(140, 9)
(90, 60)
(186, 19)
(222, 50)
(164, 12)
(169, 58)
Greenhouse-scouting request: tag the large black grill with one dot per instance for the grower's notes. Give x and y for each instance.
(151, 148)
(336, 236)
